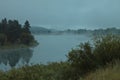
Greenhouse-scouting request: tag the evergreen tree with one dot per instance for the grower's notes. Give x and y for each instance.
(2, 39)
(4, 25)
(0, 27)
(12, 32)
(26, 27)
(26, 36)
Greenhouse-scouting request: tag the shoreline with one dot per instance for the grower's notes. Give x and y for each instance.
(18, 46)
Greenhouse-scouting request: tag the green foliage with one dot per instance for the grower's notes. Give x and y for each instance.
(26, 38)
(3, 26)
(2, 39)
(52, 71)
(26, 27)
(15, 33)
(107, 49)
(85, 59)
(81, 60)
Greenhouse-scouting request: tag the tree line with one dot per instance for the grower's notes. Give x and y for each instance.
(12, 32)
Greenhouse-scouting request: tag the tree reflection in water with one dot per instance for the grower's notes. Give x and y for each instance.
(13, 56)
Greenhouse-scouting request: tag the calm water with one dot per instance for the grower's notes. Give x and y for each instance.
(51, 48)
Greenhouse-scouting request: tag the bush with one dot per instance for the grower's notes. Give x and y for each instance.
(107, 49)
(81, 60)
(85, 59)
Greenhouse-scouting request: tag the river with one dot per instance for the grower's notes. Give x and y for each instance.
(51, 48)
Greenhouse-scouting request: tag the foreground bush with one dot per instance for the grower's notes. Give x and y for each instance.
(107, 49)
(81, 60)
(87, 58)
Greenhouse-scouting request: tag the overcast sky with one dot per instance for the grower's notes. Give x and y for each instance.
(63, 14)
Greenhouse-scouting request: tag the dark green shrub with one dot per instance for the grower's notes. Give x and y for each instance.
(81, 60)
(85, 59)
(107, 49)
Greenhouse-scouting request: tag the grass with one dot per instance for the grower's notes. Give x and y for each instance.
(52, 71)
(112, 72)
(55, 71)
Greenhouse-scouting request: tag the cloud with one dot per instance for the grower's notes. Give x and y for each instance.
(99, 13)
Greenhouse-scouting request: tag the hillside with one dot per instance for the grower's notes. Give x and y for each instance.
(40, 30)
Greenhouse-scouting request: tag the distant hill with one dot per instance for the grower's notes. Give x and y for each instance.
(106, 31)
(40, 30)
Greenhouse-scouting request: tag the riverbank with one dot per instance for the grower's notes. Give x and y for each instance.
(57, 71)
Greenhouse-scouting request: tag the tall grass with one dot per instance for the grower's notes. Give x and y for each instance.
(52, 71)
(112, 72)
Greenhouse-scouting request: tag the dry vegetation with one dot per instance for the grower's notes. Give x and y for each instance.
(109, 73)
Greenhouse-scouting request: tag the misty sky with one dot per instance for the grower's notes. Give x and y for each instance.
(63, 14)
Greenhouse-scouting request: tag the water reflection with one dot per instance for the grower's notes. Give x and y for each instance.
(13, 56)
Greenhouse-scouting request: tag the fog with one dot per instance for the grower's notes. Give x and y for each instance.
(63, 14)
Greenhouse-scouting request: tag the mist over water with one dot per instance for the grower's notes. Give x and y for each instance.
(54, 48)
(51, 48)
